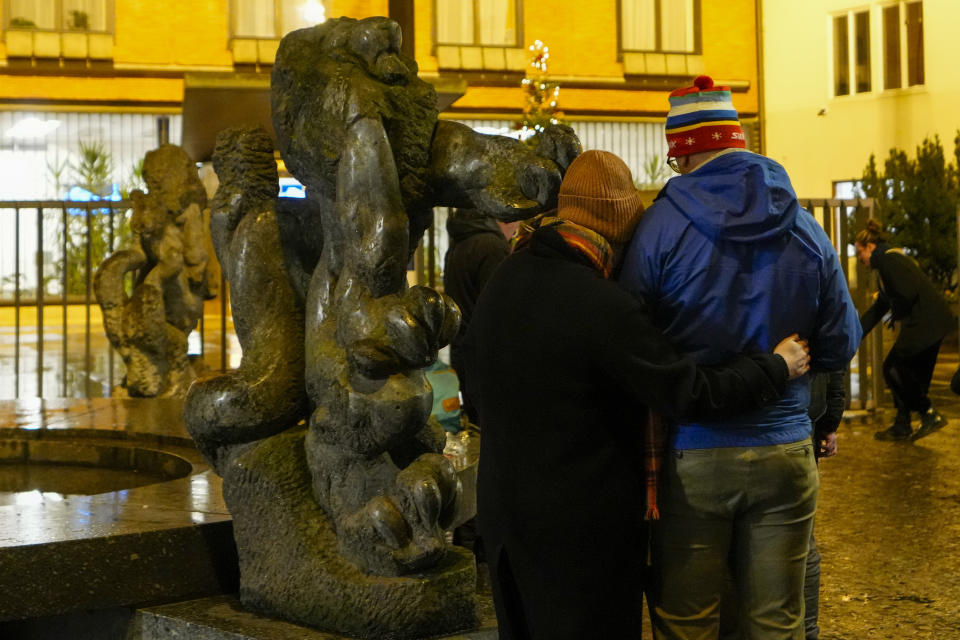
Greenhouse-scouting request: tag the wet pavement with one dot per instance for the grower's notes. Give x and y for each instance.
(888, 524)
(888, 529)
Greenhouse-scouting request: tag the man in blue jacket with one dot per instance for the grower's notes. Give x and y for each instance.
(728, 261)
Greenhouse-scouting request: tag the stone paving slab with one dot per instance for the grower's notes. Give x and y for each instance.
(221, 618)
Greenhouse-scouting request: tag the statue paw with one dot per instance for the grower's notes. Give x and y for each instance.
(404, 532)
(424, 322)
(416, 326)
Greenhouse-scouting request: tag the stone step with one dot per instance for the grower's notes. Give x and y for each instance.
(222, 618)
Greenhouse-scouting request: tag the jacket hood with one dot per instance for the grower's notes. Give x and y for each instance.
(461, 227)
(739, 196)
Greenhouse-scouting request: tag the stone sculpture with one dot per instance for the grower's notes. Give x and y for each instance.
(173, 275)
(339, 520)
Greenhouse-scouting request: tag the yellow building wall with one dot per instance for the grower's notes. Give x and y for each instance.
(171, 36)
(582, 37)
(172, 33)
(68, 89)
(820, 149)
(357, 8)
(189, 35)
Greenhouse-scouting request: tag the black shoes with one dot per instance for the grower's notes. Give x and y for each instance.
(930, 421)
(899, 431)
(896, 432)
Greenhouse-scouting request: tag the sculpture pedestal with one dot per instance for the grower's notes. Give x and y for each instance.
(223, 618)
(290, 567)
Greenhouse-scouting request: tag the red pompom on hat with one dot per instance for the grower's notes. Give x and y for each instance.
(700, 83)
(702, 118)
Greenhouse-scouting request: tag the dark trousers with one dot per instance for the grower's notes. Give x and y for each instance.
(908, 377)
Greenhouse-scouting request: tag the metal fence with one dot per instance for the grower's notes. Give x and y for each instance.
(840, 219)
(52, 342)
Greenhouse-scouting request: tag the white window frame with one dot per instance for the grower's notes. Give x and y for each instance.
(477, 40)
(851, 62)
(905, 54)
(277, 31)
(693, 28)
(59, 24)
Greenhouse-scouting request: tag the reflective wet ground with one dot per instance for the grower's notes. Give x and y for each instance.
(888, 528)
(888, 524)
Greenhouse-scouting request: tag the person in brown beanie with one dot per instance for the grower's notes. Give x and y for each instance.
(565, 367)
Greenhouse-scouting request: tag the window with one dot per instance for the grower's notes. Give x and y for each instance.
(478, 22)
(861, 38)
(270, 19)
(851, 35)
(841, 56)
(58, 15)
(903, 45)
(660, 25)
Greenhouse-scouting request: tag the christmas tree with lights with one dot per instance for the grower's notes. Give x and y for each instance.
(540, 96)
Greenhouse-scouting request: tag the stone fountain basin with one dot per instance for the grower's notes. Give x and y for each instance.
(37, 470)
(106, 503)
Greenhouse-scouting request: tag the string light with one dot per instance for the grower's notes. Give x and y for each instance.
(540, 95)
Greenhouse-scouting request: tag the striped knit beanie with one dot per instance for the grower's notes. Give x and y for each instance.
(702, 118)
(597, 192)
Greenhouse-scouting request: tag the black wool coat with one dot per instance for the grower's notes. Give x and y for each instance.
(477, 247)
(911, 298)
(563, 363)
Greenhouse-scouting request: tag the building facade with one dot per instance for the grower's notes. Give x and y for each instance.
(615, 61)
(129, 74)
(844, 80)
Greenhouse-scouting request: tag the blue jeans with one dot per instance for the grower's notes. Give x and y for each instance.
(751, 507)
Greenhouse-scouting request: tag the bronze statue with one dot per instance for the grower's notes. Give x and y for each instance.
(333, 335)
(173, 275)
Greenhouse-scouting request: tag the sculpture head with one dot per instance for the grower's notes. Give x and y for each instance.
(326, 77)
(172, 179)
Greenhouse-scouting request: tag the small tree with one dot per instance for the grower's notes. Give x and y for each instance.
(93, 173)
(540, 95)
(917, 201)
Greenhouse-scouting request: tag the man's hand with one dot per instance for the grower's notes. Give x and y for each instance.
(827, 446)
(796, 353)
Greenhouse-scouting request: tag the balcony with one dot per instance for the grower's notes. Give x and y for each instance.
(73, 45)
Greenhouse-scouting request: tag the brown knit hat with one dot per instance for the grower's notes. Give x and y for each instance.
(598, 193)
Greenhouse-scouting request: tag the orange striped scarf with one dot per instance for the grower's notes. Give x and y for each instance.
(587, 242)
(653, 449)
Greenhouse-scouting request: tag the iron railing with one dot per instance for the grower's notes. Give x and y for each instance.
(65, 287)
(840, 218)
(51, 273)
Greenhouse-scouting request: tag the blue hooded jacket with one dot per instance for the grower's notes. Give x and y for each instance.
(728, 262)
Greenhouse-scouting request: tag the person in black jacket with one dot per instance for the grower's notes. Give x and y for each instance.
(478, 244)
(924, 319)
(563, 365)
